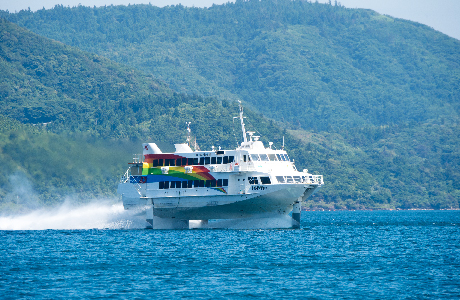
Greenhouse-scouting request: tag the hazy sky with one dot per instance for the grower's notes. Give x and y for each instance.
(442, 15)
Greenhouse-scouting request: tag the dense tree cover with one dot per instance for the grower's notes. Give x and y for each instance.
(68, 117)
(370, 101)
(316, 66)
(43, 168)
(412, 168)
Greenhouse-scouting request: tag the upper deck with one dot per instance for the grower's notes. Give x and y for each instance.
(249, 160)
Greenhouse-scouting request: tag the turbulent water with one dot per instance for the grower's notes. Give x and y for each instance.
(96, 252)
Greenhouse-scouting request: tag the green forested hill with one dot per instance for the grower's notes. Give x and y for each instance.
(316, 66)
(45, 81)
(369, 101)
(70, 120)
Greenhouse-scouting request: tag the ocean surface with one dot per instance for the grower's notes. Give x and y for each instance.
(335, 255)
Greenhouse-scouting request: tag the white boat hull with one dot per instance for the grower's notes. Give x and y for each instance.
(246, 182)
(277, 199)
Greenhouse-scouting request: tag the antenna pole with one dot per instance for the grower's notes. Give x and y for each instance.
(242, 122)
(188, 133)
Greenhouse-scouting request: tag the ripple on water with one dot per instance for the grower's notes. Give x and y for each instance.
(404, 254)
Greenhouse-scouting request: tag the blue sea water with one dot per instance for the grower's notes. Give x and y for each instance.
(335, 255)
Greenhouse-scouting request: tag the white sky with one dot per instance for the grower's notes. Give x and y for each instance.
(442, 15)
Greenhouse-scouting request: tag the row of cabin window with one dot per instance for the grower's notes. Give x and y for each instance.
(193, 161)
(192, 183)
(269, 157)
(263, 180)
(292, 179)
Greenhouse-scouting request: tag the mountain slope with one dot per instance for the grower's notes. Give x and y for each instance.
(70, 120)
(316, 66)
(378, 96)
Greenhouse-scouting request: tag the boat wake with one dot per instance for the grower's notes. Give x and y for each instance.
(95, 215)
(106, 215)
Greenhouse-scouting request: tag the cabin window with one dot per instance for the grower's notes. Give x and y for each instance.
(189, 184)
(161, 185)
(213, 160)
(220, 152)
(244, 158)
(279, 157)
(201, 183)
(155, 163)
(136, 170)
(179, 162)
(297, 179)
(160, 162)
(253, 180)
(263, 157)
(190, 161)
(201, 161)
(272, 157)
(184, 184)
(265, 180)
(225, 159)
(208, 183)
(219, 160)
(231, 159)
(219, 182)
(213, 183)
(173, 184)
(184, 161)
(166, 185)
(207, 160)
(280, 179)
(254, 157)
(225, 182)
(196, 183)
(195, 161)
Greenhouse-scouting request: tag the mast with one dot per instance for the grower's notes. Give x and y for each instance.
(242, 122)
(188, 133)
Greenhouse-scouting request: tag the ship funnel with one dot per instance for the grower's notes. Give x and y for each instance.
(151, 148)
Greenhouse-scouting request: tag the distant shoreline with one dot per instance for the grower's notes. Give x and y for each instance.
(376, 209)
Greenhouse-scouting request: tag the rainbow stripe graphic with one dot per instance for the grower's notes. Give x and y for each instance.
(220, 189)
(152, 174)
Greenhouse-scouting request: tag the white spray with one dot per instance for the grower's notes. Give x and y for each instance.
(99, 214)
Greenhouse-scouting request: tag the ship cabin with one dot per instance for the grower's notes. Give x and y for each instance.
(251, 163)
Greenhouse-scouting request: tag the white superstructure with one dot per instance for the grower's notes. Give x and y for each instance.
(246, 182)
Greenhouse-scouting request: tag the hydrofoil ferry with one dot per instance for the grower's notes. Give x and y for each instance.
(251, 181)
